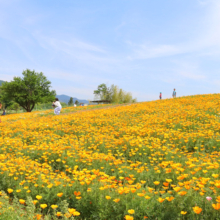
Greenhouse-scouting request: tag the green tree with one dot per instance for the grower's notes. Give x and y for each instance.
(70, 101)
(102, 92)
(113, 94)
(77, 102)
(32, 88)
(5, 101)
(15, 106)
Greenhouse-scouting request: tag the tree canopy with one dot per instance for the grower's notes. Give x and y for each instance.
(70, 101)
(113, 94)
(32, 88)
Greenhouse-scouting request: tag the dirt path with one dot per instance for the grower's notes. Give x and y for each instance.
(107, 107)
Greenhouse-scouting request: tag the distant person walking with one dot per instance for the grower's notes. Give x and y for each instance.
(57, 106)
(174, 93)
(160, 96)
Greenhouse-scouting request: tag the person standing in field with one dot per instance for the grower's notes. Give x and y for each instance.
(57, 106)
(174, 93)
(160, 96)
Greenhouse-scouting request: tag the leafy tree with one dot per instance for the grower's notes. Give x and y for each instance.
(113, 94)
(77, 102)
(70, 101)
(32, 88)
(5, 101)
(15, 106)
(103, 92)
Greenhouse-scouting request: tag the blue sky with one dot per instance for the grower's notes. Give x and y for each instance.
(143, 46)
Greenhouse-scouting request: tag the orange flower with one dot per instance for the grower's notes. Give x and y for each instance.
(128, 217)
(116, 200)
(197, 209)
(182, 193)
(160, 200)
(216, 206)
(38, 216)
(59, 194)
(21, 201)
(170, 198)
(34, 201)
(166, 184)
(77, 193)
(59, 214)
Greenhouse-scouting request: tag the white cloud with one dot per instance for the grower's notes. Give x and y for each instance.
(146, 51)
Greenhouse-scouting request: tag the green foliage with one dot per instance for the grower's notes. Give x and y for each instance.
(4, 100)
(70, 101)
(16, 210)
(113, 94)
(102, 92)
(14, 106)
(77, 102)
(27, 91)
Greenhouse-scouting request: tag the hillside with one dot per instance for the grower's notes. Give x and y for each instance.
(163, 155)
(1, 81)
(66, 98)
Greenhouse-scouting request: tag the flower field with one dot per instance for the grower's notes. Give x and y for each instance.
(151, 160)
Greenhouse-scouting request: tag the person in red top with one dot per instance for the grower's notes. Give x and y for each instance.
(160, 96)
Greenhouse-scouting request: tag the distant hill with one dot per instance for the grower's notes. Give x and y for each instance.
(1, 81)
(66, 98)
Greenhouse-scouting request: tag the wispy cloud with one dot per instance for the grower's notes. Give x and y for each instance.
(146, 51)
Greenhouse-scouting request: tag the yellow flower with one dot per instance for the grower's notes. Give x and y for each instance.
(54, 206)
(160, 200)
(183, 213)
(147, 197)
(76, 213)
(128, 217)
(58, 214)
(21, 201)
(43, 206)
(71, 210)
(156, 183)
(59, 194)
(108, 197)
(38, 197)
(10, 190)
(131, 211)
(35, 201)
